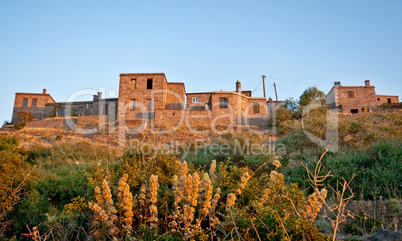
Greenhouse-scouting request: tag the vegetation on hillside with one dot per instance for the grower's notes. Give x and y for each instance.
(74, 189)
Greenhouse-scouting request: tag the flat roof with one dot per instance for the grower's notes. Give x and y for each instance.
(130, 74)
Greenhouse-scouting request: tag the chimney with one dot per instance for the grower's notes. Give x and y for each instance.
(238, 87)
(99, 95)
(367, 83)
(44, 91)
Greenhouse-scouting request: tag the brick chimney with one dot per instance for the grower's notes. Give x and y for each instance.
(238, 87)
(367, 83)
(44, 91)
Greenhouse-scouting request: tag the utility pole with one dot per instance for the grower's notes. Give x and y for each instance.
(263, 84)
(276, 94)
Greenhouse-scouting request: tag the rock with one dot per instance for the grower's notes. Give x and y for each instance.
(386, 235)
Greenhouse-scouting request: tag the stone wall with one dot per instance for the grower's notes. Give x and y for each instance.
(56, 123)
(89, 121)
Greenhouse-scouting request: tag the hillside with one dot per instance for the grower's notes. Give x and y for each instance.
(183, 185)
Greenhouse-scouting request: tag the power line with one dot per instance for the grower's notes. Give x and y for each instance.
(293, 82)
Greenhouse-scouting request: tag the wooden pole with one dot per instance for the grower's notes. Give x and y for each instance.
(263, 84)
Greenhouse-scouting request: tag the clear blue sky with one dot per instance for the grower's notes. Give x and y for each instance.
(65, 46)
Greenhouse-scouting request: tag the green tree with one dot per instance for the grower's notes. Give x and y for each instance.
(13, 173)
(292, 104)
(311, 93)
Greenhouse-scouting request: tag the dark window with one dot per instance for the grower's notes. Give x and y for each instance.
(351, 94)
(389, 101)
(34, 102)
(25, 102)
(63, 112)
(105, 109)
(378, 99)
(133, 84)
(149, 84)
(149, 104)
(80, 111)
(354, 111)
(223, 103)
(256, 107)
(132, 105)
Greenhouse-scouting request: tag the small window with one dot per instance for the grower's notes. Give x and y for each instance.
(25, 102)
(34, 102)
(389, 101)
(223, 103)
(80, 111)
(133, 84)
(354, 111)
(351, 94)
(256, 107)
(105, 109)
(63, 112)
(378, 99)
(149, 104)
(132, 105)
(149, 84)
(195, 99)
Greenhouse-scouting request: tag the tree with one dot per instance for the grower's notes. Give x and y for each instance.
(24, 117)
(312, 93)
(292, 104)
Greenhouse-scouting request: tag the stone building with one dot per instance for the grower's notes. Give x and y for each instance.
(32, 102)
(273, 105)
(141, 95)
(357, 99)
(239, 103)
(95, 107)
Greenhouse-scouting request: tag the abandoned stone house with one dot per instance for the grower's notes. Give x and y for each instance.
(357, 99)
(43, 106)
(32, 102)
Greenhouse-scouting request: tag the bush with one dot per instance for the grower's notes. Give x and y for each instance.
(377, 170)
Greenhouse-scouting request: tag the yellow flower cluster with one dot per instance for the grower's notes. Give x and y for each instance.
(212, 170)
(105, 212)
(207, 186)
(244, 179)
(277, 164)
(153, 191)
(230, 200)
(125, 201)
(276, 178)
(191, 194)
(314, 203)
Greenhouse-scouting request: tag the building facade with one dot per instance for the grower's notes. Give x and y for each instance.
(32, 102)
(140, 95)
(357, 99)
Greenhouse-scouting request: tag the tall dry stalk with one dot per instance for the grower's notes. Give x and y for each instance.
(343, 194)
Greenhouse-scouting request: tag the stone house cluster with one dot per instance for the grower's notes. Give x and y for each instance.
(149, 97)
(357, 99)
